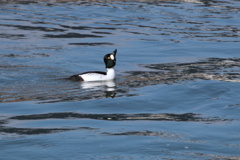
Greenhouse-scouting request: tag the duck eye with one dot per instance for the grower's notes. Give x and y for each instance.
(109, 58)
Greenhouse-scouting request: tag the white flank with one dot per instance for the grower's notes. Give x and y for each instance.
(99, 77)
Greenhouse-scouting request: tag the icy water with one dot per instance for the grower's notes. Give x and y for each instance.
(176, 93)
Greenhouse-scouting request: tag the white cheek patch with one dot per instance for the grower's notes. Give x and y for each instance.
(112, 57)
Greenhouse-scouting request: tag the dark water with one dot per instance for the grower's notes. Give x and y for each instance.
(176, 95)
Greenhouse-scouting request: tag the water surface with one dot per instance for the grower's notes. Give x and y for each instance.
(176, 95)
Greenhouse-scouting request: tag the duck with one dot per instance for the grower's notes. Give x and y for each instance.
(91, 76)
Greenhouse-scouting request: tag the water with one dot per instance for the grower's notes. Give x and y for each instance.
(176, 95)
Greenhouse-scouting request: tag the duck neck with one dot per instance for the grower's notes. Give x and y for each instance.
(111, 73)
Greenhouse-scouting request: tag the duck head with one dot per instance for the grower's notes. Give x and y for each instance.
(110, 59)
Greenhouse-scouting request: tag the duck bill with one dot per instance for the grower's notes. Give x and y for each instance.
(114, 52)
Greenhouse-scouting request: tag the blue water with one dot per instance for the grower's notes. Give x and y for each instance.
(176, 93)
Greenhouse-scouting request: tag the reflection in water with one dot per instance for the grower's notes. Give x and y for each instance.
(108, 86)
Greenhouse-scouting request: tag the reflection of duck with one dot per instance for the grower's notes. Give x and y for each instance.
(109, 60)
(109, 87)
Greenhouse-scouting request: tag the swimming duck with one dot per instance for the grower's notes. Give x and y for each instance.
(110, 62)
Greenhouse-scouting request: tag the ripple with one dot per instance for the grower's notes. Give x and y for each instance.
(187, 117)
(91, 44)
(32, 28)
(72, 35)
(32, 131)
